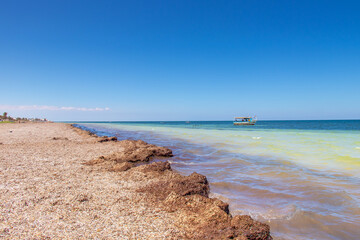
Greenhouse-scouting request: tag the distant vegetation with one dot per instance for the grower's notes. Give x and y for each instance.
(5, 118)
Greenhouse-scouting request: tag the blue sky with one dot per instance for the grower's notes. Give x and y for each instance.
(180, 60)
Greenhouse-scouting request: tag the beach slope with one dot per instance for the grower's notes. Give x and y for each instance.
(57, 181)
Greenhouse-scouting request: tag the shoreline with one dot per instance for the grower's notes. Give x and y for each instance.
(180, 202)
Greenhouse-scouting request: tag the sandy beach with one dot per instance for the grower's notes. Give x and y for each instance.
(59, 182)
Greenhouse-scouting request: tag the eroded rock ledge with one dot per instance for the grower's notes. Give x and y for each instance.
(188, 196)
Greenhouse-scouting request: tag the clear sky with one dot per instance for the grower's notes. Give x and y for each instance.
(180, 60)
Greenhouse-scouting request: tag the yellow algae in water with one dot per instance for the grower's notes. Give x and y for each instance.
(294, 154)
(275, 148)
(349, 161)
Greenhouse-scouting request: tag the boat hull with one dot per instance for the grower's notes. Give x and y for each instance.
(244, 123)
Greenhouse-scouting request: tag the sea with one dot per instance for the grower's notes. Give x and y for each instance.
(300, 177)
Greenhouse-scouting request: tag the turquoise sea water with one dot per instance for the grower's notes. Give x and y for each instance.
(301, 177)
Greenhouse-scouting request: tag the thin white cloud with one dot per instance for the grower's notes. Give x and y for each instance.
(50, 108)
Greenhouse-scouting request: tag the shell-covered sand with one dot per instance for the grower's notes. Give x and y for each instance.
(47, 193)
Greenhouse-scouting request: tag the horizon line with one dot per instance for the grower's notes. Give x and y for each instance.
(69, 121)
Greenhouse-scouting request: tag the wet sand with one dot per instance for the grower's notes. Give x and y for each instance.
(59, 182)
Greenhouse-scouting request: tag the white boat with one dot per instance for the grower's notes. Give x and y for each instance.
(245, 121)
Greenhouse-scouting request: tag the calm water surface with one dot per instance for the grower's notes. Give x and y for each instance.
(301, 177)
